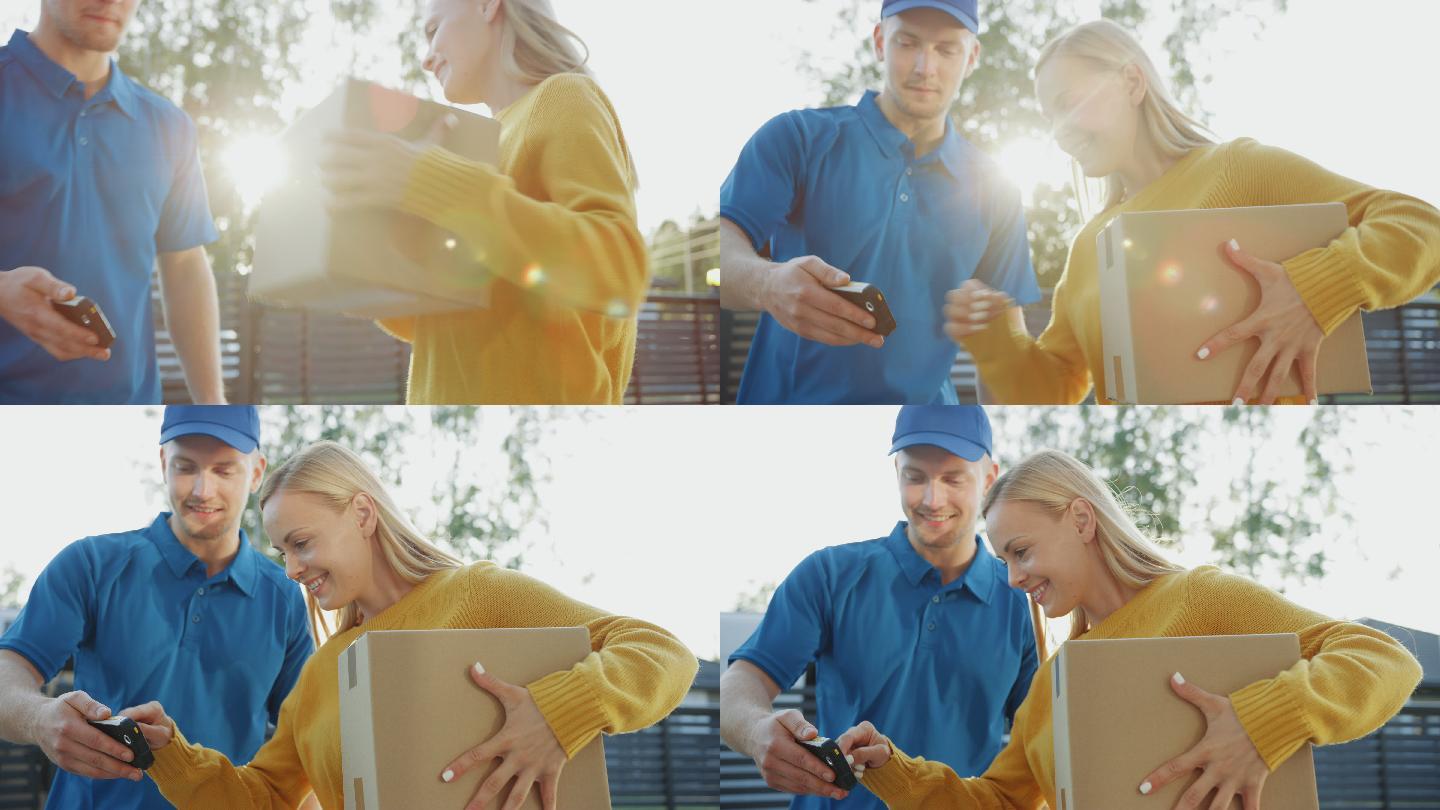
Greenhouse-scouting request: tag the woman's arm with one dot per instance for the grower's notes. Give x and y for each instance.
(193, 777)
(1388, 256)
(1349, 681)
(1016, 368)
(580, 244)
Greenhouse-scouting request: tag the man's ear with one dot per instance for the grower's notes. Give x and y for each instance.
(879, 37)
(257, 472)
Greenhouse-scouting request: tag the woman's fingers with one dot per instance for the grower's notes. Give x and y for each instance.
(492, 786)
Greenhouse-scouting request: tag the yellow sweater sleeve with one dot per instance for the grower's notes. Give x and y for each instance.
(1388, 256)
(915, 783)
(635, 675)
(1349, 680)
(193, 777)
(1018, 369)
(582, 234)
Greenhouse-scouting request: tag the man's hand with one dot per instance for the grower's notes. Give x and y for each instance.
(25, 296)
(785, 765)
(798, 294)
(60, 729)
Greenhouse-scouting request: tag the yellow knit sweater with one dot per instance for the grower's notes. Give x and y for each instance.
(555, 224)
(1349, 681)
(636, 675)
(1388, 256)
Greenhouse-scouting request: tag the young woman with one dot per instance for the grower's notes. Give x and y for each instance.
(348, 543)
(1072, 547)
(1111, 113)
(554, 221)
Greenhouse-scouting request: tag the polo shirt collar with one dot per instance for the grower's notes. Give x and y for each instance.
(952, 152)
(57, 80)
(243, 570)
(979, 578)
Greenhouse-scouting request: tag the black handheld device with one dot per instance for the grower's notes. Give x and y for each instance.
(127, 732)
(869, 298)
(825, 749)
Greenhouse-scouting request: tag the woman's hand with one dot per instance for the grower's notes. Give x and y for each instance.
(864, 747)
(157, 726)
(1289, 335)
(527, 749)
(1227, 758)
(371, 169)
(970, 308)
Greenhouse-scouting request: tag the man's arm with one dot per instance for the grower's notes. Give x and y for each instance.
(750, 725)
(192, 313)
(58, 725)
(796, 292)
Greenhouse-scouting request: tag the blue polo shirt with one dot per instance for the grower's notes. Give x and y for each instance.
(143, 623)
(845, 185)
(91, 190)
(940, 669)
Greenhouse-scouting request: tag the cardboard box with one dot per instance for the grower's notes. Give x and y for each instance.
(370, 263)
(408, 708)
(1116, 718)
(1166, 287)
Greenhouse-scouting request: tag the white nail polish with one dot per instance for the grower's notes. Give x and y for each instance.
(1314, 402)
(479, 669)
(1180, 679)
(1234, 245)
(1238, 401)
(850, 759)
(1203, 353)
(1145, 788)
(447, 776)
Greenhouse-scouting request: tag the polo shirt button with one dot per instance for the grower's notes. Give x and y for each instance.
(196, 619)
(83, 113)
(903, 197)
(84, 141)
(908, 172)
(930, 627)
(935, 599)
(201, 592)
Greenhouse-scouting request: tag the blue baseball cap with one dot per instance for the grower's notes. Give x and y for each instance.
(961, 430)
(965, 11)
(236, 425)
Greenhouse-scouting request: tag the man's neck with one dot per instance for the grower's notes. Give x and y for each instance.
(952, 561)
(217, 554)
(925, 133)
(91, 67)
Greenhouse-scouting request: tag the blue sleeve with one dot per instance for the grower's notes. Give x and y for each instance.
(59, 616)
(1029, 663)
(297, 651)
(185, 221)
(796, 626)
(1006, 265)
(763, 188)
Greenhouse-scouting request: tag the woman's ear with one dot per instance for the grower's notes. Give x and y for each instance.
(491, 9)
(1135, 85)
(1082, 518)
(366, 514)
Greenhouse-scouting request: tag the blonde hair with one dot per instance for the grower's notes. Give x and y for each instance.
(1052, 481)
(337, 475)
(1110, 47)
(535, 46)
